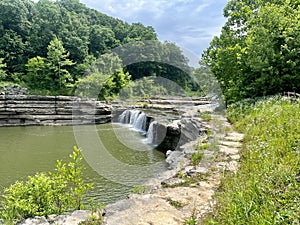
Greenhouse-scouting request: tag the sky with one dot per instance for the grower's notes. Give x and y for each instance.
(191, 24)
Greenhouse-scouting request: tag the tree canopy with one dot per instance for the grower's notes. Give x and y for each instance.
(257, 53)
(48, 46)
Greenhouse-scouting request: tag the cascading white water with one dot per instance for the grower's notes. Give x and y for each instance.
(125, 117)
(134, 114)
(141, 122)
(151, 133)
(136, 118)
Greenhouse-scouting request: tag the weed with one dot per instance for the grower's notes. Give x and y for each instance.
(190, 221)
(174, 203)
(206, 116)
(202, 146)
(140, 189)
(196, 157)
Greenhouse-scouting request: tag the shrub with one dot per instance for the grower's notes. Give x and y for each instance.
(47, 193)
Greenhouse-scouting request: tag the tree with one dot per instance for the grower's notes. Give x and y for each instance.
(57, 63)
(104, 79)
(101, 39)
(37, 73)
(12, 50)
(27, 27)
(50, 73)
(257, 53)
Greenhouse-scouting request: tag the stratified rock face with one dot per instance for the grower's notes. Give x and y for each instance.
(28, 110)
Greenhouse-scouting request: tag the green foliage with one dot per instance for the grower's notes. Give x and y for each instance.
(140, 189)
(57, 61)
(202, 146)
(96, 218)
(157, 59)
(265, 190)
(174, 203)
(145, 88)
(47, 193)
(27, 27)
(190, 221)
(257, 53)
(206, 116)
(102, 86)
(196, 157)
(50, 74)
(2, 71)
(36, 73)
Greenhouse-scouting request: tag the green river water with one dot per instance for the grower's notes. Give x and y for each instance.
(118, 153)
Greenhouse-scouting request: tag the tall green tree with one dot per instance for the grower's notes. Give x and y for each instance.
(57, 64)
(257, 53)
(51, 73)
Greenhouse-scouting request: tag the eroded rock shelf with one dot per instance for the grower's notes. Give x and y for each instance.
(32, 110)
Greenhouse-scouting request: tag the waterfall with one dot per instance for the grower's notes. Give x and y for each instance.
(141, 122)
(134, 114)
(136, 118)
(125, 117)
(151, 133)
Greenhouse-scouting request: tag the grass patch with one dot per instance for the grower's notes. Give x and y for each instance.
(202, 146)
(176, 204)
(190, 221)
(206, 116)
(187, 180)
(196, 157)
(139, 189)
(265, 190)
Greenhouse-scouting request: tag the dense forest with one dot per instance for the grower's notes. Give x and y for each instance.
(258, 50)
(47, 46)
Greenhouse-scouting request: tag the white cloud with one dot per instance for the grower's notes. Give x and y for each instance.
(190, 23)
(201, 7)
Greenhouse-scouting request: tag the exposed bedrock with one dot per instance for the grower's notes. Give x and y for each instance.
(28, 110)
(165, 135)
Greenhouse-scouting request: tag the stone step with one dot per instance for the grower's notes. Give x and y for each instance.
(228, 150)
(233, 144)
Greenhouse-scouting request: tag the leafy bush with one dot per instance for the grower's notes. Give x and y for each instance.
(47, 193)
(266, 188)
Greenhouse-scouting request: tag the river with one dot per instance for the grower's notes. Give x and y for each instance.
(27, 150)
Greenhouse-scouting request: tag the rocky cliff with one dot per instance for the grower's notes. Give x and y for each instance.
(28, 110)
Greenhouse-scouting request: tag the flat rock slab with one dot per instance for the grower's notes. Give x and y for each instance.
(73, 218)
(228, 150)
(234, 136)
(234, 144)
(143, 209)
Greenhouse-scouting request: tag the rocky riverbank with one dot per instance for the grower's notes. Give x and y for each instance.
(185, 192)
(182, 194)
